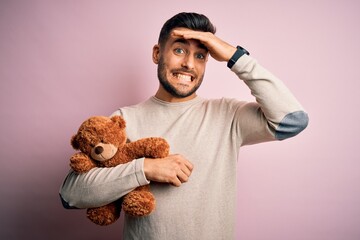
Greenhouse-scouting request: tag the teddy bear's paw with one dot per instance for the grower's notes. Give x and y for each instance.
(138, 203)
(104, 215)
(81, 163)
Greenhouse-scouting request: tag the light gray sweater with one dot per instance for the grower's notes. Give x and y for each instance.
(207, 132)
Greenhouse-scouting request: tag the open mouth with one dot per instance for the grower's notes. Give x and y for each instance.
(183, 77)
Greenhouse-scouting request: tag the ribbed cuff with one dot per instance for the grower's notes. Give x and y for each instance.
(139, 171)
(241, 63)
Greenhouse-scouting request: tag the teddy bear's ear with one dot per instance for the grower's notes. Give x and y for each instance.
(74, 142)
(119, 120)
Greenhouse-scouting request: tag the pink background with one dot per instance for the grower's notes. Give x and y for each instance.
(63, 61)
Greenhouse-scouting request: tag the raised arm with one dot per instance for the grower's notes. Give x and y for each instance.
(276, 105)
(276, 114)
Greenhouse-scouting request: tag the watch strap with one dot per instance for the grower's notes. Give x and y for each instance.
(239, 52)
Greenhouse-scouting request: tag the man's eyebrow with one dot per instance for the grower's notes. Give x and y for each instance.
(181, 40)
(186, 42)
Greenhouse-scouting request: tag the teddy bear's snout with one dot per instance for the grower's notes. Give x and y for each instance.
(99, 149)
(103, 151)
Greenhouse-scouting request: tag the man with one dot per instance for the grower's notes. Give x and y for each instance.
(205, 135)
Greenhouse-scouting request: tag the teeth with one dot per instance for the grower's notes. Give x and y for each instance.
(182, 77)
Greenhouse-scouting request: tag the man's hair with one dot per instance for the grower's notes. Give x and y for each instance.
(193, 21)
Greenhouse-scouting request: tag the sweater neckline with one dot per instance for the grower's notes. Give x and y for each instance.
(176, 104)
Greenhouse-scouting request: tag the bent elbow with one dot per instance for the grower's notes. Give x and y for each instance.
(291, 125)
(65, 204)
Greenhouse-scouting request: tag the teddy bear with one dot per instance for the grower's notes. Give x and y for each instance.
(102, 142)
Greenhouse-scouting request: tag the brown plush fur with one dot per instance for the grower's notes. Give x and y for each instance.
(102, 142)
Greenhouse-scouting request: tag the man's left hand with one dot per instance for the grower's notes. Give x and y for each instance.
(218, 49)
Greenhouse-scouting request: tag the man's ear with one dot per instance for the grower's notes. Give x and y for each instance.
(156, 53)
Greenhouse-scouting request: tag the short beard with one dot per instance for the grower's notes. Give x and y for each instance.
(170, 88)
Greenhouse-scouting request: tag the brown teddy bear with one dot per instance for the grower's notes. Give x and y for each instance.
(103, 143)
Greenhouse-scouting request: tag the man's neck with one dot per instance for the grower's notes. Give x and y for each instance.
(167, 97)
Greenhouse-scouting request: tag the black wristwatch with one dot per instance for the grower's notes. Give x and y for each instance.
(239, 52)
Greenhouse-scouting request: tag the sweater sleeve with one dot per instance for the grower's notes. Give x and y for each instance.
(276, 115)
(101, 186)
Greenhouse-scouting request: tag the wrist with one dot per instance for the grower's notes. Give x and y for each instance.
(230, 53)
(146, 166)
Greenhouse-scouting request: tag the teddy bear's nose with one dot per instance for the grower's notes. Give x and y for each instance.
(99, 149)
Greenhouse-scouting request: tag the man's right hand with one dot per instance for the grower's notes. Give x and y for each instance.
(173, 169)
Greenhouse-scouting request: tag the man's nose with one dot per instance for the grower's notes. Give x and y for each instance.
(188, 62)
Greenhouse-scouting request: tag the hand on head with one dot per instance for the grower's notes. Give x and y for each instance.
(218, 49)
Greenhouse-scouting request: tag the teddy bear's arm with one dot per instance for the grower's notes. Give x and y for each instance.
(152, 147)
(81, 163)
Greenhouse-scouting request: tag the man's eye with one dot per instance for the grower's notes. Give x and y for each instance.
(179, 50)
(200, 56)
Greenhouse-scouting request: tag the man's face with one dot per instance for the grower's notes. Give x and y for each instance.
(181, 66)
